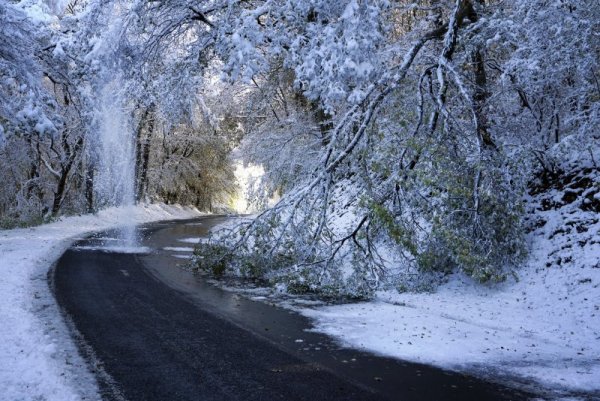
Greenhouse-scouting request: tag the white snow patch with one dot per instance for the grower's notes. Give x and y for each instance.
(37, 11)
(182, 256)
(38, 359)
(178, 249)
(194, 240)
(117, 249)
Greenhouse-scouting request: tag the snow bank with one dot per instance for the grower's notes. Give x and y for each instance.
(38, 359)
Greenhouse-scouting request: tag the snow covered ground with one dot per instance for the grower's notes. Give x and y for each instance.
(543, 328)
(535, 331)
(38, 359)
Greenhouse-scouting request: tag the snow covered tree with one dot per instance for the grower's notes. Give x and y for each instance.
(420, 168)
(41, 133)
(401, 134)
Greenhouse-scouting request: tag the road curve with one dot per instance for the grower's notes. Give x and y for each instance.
(154, 332)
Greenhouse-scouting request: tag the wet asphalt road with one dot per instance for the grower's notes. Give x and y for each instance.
(155, 332)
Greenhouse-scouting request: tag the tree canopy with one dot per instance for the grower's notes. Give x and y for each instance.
(401, 135)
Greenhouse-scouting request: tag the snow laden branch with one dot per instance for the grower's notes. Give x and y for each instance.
(364, 217)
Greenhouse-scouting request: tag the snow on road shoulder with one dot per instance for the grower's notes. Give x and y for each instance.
(38, 360)
(525, 331)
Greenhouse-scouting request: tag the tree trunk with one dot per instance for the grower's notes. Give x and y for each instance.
(480, 98)
(61, 186)
(144, 136)
(481, 94)
(89, 188)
